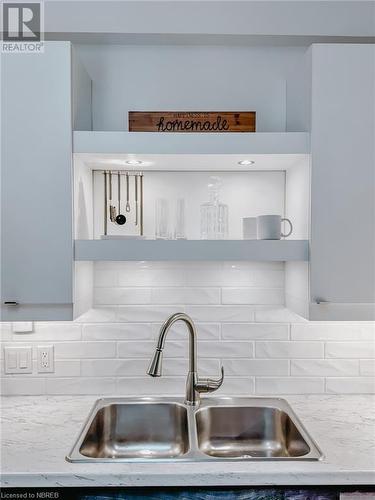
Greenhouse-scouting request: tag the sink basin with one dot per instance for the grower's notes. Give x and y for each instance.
(137, 430)
(166, 429)
(245, 432)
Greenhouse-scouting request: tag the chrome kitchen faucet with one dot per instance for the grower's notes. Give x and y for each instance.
(194, 384)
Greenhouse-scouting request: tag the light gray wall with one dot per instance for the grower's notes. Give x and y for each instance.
(81, 95)
(270, 80)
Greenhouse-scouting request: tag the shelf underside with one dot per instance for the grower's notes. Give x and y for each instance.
(169, 250)
(294, 143)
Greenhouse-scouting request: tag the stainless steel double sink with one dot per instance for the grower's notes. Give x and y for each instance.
(166, 429)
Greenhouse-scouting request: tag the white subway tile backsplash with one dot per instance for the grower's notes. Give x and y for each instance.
(205, 331)
(99, 315)
(253, 296)
(114, 367)
(119, 296)
(237, 386)
(268, 278)
(42, 332)
(5, 327)
(147, 313)
(326, 331)
(289, 350)
(354, 385)
(367, 367)
(144, 386)
(251, 367)
(232, 275)
(182, 295)
(225, 349)
(138, 367)
(367, 330)
(285, 385)
(324, 367)
(117, 331)
(350, 350)
(204, 273)
(142, 349)
(179, 349)
(62, 368)
(255, 331)
(20, 386)
(105, 277)
(238, 308)
(206, 367)
(85, 350)
(5, 332)
(98, 386)
(52, 331)
(152, 276)
(272, 314)
(221, 313)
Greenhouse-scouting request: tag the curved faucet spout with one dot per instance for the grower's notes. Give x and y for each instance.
(156, 364)
(194, 385)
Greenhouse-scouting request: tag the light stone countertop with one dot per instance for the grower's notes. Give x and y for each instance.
(38, 431)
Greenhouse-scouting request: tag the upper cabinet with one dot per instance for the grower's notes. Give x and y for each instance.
(38, 110)
(342, 256)
(321, 175)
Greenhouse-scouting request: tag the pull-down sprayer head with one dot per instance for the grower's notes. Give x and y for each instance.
(155, 367)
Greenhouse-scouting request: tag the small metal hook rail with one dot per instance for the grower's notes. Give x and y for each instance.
(138, 196)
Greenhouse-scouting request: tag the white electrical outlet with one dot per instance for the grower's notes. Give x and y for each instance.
(45, 359)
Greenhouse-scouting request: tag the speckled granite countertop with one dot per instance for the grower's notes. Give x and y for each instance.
(38, 431)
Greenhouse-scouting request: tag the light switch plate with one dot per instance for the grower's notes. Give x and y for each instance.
(18, 360)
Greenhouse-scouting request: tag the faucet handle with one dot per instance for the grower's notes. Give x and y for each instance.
(209, 384)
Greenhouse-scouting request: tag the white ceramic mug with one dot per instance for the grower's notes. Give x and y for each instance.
(269, 227)
(249, 228)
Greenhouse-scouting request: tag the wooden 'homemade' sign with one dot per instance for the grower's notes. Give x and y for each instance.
(189, 121)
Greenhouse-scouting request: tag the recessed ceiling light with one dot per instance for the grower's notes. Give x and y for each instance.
(246, 162)
(134, 162)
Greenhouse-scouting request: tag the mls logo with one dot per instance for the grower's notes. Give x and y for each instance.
(22, 27)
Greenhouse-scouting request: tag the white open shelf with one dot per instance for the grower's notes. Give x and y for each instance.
(161, 250)
(262, 143)
(178, 165)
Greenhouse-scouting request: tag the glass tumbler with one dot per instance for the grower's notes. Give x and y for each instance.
(161, 219)
(179, 228)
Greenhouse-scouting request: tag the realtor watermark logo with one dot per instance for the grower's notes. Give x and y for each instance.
(22, 27)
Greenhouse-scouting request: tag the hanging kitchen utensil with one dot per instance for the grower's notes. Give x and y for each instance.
(105, 203)
(127, 208)
(112, 213)
(112, 208)
(136, 198)
(120, 219)
(141, 206)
